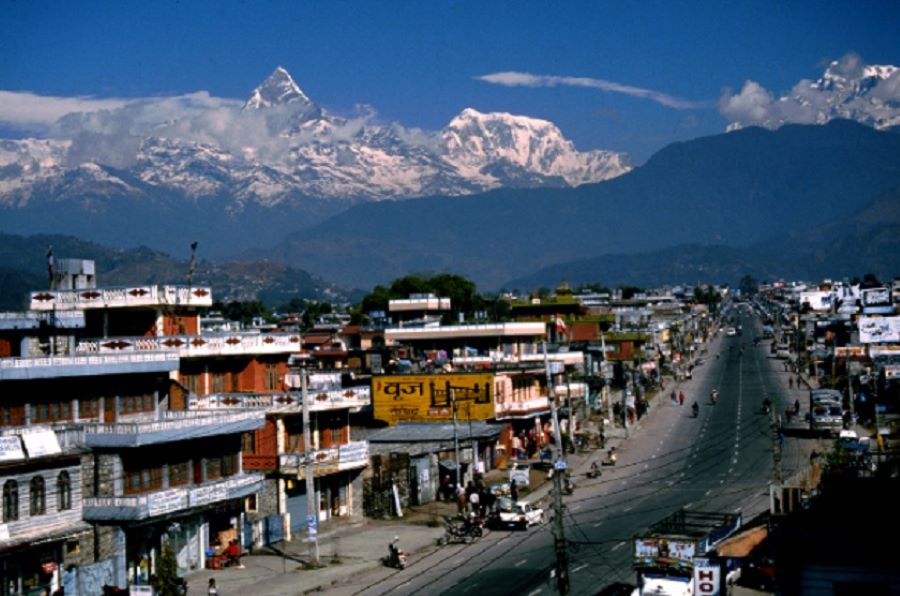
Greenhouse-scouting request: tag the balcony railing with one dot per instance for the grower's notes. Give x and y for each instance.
(335, 399)
(171, 500)
(326, 461)
(122, 297)
(175, 425)
(86, 364)
(186, 346)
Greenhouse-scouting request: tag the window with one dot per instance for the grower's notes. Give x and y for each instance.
(271, 377)
(88, 407)
(219, 383)
(38, 496)
(191, 383)
(248, 442)
(140, 480)
(10, 501)
(178, 473)
(64, 491)
(221, 466)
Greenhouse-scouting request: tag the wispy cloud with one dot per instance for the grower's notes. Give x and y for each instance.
(524, 79)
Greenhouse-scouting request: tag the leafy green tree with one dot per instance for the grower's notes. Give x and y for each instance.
(629, 292)
(167, 582)
(748, 286)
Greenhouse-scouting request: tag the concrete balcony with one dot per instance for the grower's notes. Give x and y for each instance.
(170, 500)
(81, 365)
(516, 409)
(173, 426)
(34, 320)
(145, 296)
(353, 398)
(523, 330)
(190, 346)
(351, 456)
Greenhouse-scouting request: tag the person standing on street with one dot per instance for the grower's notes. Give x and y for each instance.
(212, 590)
(681, 398)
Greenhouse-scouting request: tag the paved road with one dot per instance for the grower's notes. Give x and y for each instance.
(721, 461)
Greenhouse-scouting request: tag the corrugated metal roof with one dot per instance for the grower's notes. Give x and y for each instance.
(433, 431)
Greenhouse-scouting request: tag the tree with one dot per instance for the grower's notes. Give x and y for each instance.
(167, 582)
(748, 286)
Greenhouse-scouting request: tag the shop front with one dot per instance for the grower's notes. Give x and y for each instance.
(31, 571)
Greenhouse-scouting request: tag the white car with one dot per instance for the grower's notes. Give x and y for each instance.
(519, 514)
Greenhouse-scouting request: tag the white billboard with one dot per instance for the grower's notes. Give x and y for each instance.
(876, 330)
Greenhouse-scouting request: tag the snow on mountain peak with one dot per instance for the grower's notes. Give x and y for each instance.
(307, 152)
(848, 88)
(278, 89)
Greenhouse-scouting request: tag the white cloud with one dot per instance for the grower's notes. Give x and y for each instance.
(524, 79)
(110, 131)
(23, 110)
(847, 89)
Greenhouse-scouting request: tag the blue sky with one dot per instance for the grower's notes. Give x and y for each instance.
(627, 76)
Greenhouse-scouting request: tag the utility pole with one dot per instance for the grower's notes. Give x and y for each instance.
(559, 538)
(455, 438)
(551, 396)
(312, 503)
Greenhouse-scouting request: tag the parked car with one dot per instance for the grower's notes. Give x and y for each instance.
(518, 515)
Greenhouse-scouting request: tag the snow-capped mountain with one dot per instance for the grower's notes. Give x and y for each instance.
(849, 89)
(281, 145)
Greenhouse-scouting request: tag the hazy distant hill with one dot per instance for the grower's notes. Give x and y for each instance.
(25, 270)
(735, 189)
(866, 242)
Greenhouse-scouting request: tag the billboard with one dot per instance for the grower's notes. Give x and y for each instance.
(429, 398)
(877, 301)
(661, 548)
(879, 330)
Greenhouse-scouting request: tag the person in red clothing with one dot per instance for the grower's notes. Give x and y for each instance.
(681, 398)
(233, 554)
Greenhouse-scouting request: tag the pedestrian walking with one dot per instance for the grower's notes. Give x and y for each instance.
(460, 499)
(212, 590)
(514, 490)
(790, 382)
(681, 398)
(797, 407)
(674, 398)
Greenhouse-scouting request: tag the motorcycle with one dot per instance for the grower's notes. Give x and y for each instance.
(465, 530)
(396, 558)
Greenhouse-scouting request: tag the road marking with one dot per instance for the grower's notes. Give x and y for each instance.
(598, 524)
(520, 563)
(618, 546)
(689, 505)
(470, 587)
(706, 494)
(533, 593)
(629, 508)
(579, 568)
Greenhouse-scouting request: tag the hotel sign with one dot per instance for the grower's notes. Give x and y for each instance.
(429, 398)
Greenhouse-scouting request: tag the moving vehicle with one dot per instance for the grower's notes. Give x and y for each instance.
(462, 529)
(518, 515)
(826, 411)
(395, 558)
